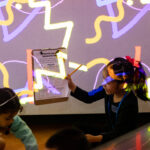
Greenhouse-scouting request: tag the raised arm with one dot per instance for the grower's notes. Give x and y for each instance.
(84, 96)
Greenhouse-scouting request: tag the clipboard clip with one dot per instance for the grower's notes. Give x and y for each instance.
(58, 49)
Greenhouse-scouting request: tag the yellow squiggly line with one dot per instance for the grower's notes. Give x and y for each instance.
(97, 61)
(9, 11)
(107, 19)
(24, 92)
(6, 81)
(145, 2)
(48, 25)
(40, 72)
(5, 75)
(90, 64)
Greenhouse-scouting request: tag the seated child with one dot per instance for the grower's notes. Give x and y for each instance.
(67, 139)
(10, 121)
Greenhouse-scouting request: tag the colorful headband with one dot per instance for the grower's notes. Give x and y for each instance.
(8, 100)
(119, 76)
(107, 80)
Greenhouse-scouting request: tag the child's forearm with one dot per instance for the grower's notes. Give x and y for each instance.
(2, 143)
(98, 138)
(93, 138)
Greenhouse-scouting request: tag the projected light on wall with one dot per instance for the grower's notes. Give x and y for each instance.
(93, 32)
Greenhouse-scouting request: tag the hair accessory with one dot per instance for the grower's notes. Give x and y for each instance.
(122, 76)
(133, 61)
(8, 100)
(107, 80)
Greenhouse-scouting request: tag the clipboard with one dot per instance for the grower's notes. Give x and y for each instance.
(49, 70)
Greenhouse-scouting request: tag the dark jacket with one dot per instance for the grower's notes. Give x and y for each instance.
(122, 117)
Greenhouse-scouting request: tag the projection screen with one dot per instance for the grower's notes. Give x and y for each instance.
(92, 31)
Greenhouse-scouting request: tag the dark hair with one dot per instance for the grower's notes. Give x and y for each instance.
(124, 71)
(68, 139)
(9, 101)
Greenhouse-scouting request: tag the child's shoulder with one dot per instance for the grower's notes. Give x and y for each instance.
(17, 122)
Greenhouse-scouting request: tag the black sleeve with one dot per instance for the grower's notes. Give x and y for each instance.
(89, 97)
(126, 120)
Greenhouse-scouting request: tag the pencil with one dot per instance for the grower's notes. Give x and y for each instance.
(75, 70)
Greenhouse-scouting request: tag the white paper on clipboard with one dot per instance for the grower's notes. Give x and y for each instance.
(55, 89)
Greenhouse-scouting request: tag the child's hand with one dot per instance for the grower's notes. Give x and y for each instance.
(93, 138)
(2, 143)
(71, 85)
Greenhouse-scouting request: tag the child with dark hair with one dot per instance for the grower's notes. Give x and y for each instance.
(10, 121)
(67, 139)
(123, 82)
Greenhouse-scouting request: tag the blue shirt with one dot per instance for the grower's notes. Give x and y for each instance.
(21, 130)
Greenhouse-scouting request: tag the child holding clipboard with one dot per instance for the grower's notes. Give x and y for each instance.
(123, 82)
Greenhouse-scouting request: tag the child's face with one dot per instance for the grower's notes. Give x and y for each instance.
(111, 87)
(6, 119)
